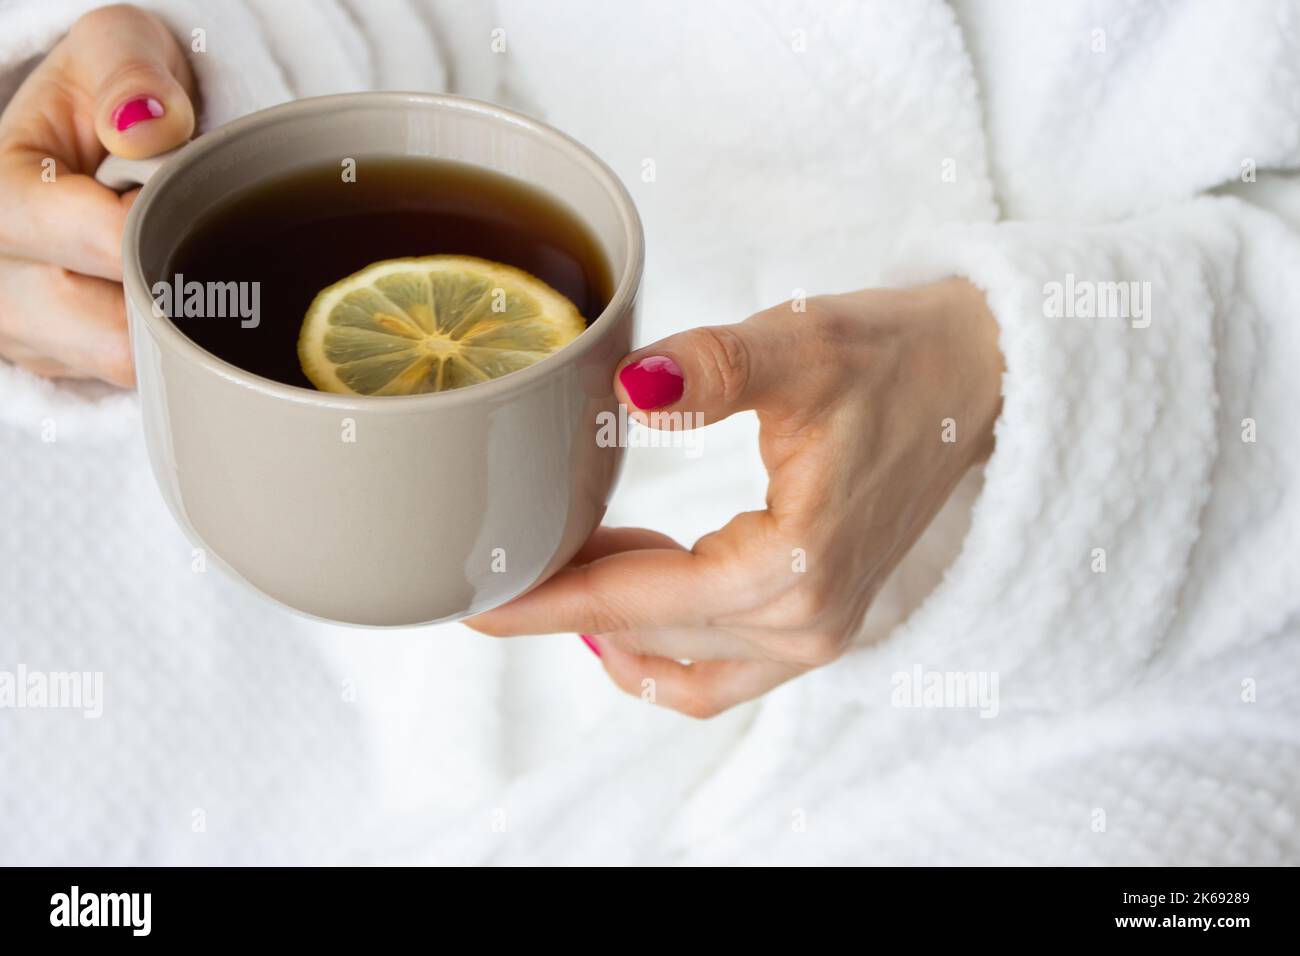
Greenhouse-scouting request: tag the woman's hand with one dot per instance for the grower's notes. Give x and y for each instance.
(872, 406)
(116, 83)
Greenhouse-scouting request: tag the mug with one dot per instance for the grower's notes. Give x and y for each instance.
(378, 511)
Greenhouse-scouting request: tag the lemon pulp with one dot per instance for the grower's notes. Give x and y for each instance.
(429, 324)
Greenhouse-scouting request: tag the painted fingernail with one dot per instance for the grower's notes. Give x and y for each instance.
(136, 111)
(591, 643)
(653, 382)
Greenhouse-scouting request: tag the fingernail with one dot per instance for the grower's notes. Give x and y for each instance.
(136, 111)
(591, 643)
(653, 382)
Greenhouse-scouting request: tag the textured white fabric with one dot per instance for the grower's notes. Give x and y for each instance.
(770, 147)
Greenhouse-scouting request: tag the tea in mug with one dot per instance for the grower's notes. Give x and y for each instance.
(413, 275)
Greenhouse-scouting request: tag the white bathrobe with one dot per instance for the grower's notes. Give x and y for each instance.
(1124, 572)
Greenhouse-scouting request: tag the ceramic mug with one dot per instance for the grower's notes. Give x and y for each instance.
(441, 505)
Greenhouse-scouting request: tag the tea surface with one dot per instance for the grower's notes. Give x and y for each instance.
(297, 234)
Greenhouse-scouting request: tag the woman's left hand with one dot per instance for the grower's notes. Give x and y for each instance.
(872, 406)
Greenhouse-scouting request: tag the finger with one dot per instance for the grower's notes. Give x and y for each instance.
(69, 221)
(603, 543)
(75, 320)
(63, 119)
(698, 690)
(704, 375)
(652, 587)
(30, 361)
(45, 369)
(687, 643)
(725, 573)
(138, 78)
(606, 541)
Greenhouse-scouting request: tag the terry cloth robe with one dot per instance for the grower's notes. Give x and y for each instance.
(1092, 656)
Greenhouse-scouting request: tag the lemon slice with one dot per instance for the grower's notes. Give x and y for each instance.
(408, 326)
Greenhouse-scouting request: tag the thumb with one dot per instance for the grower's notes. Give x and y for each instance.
(707, 374)
(128, 61)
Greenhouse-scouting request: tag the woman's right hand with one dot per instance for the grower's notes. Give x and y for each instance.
(117, 83)
(872, 406)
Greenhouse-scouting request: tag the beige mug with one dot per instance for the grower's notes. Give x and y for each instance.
(440, 505)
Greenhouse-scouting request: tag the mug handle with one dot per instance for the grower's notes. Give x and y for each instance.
(120, 174)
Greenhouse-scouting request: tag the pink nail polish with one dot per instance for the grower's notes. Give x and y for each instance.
(136, 111)
(591, 643)
(653, 382)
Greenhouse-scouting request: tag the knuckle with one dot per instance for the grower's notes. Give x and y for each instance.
(136, 73)
(809, 618)
(828, 330)
(600, 611)
(118, 367)
(63, 284)
(805, 605)
(725, 360)
(811, 648)
(821, 648)
(105, 18)
(597, 619)
(112, 363)
(828, 321)
(54, 287)
(103, 252)
(64, 289)
(604, 619)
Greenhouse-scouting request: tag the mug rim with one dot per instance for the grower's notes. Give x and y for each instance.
(163, 329)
